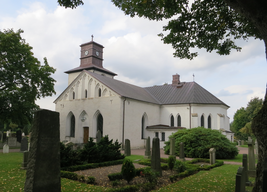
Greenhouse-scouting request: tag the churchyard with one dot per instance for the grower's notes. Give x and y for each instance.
(40, 168)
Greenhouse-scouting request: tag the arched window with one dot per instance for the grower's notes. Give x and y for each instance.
(85, 93)
(73, 95)
(179, 121)
(72, 126)
(209, 121)
(99, 92)
(143, 127)
(202, 121)
(172, 121)
(100, 124)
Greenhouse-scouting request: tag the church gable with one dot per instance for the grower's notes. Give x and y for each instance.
(85, 86)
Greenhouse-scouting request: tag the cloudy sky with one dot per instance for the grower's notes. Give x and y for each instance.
(132, 50)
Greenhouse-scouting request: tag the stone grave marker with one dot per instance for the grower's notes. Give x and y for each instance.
(98, 136)
(12, 141)
(242, 142)
(239, 142)
(25, 160)
(18, 136)
(1, 136)
(181, 154)
(127, 151)
(256, 149)
(24, 144)
(251, 159)
(245, 170)
(240, 185)
(172, 147)
(43, 169)
(148, 151)
(5, 148)
(155, 158)
(212, 152)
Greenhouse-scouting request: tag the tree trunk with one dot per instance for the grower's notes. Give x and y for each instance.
(259, 128)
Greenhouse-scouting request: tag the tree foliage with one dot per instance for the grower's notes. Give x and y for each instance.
(241, 124)
(22, 79)
(198, 141)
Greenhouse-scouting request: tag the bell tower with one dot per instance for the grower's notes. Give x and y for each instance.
(91, 54)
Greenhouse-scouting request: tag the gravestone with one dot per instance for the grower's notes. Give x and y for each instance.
(251, 156)
(5, 148)
(1, 136)
(212, 152)
(240, 185)
(155, 158)
(12, 141)
(256, 149)
(98, 136)
(264, 175)
(148, 151)
(25, 160)
(18, 136)
(24, 144)
(43, 169)
(239, 142)
(242, 142)
(127, 151)
(172, 147)
(245, 170)
(181, 154)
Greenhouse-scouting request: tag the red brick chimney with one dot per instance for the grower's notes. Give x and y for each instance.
(175, 79)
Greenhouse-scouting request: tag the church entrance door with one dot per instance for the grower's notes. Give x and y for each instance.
(85, 134)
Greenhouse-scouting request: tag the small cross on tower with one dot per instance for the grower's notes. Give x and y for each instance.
(92, 37)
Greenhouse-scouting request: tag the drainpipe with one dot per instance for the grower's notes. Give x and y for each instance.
(123, 120)
(189, 115)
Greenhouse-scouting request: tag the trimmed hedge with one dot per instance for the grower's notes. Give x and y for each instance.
(69, 175)
(130, 188)
(198, 141)
(118, 176)
(92, 165)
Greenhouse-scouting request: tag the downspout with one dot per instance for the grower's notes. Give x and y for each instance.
(189, 115)
(123, 120)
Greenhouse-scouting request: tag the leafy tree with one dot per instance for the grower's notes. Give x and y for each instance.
(240, 120)
(22, 79)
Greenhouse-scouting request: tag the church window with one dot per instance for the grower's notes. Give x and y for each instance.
(143, 127)
(85, 93)
(157, 134)
(72, 126)
(162, 136)
(172, 121)
(209, 122)
(100, 124)
(99, 92)
(202, 121)
(73, 95)
(179, 121)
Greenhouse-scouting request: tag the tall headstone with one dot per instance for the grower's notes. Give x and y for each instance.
(212, 152)
(240, 185)
(245, 170)
(239, 142)
(25, 159)
(242, 142)
(155, 158)
(172, 147)
(43, 169)
(127, 151)
(148, 151)
(18, 136)
(181, 154)
(6, 148)
(24, 144)
(251, 155)
(98, 136)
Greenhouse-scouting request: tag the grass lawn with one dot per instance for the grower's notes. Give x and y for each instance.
(237, 158)
(246, 146)
(222, 178)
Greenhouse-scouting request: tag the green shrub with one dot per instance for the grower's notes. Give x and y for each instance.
(171, 162)
(131, 188)
(198, 141)
(115, 183)
(90, 180)
(115, 176)
(179, 166)
(68, 157)
(81, 178)
(128, 170)
(148, 186)
(151, 176)
(69, 175)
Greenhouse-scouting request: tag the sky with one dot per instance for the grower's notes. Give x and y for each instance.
(133, 50)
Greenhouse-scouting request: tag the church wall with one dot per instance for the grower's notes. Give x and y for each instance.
(72, 76)
(134, 111)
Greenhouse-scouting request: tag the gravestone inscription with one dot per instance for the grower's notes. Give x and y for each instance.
(12, 141)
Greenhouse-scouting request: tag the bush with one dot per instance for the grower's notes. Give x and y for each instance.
(128, 170)
(151, 176)
(68, 157)
(90, 180)
(179, 166)
(171, 162)
(69, 175)
(131, 188)
(198, 141)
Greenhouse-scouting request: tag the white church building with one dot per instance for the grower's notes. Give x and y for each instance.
(94, 100)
